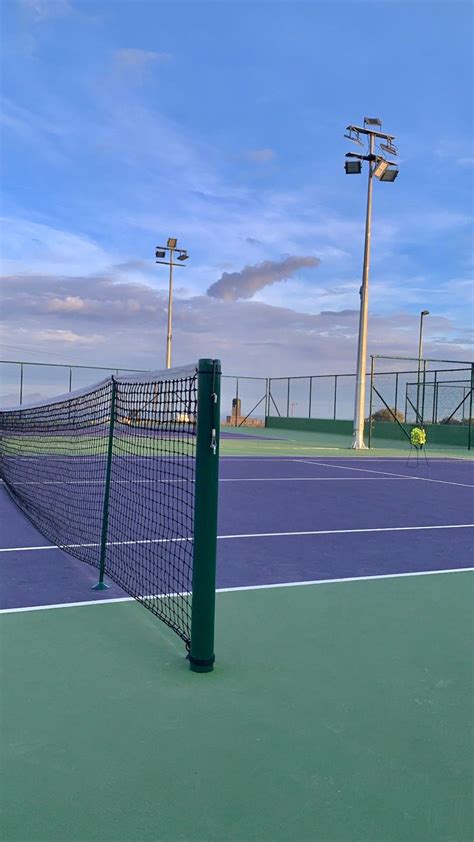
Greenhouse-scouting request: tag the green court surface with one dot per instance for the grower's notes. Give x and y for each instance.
(284, 442)
(336, 713)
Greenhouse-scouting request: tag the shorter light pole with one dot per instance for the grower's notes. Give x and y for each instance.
(160, 253)
(420, 357)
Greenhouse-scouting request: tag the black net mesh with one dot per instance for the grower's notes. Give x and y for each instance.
(54, 463)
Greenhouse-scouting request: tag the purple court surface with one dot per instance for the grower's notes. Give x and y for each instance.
(285, 520)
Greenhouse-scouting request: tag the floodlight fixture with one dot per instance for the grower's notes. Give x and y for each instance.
(381, 167)
(389, 147)
(425, 312)
(172, 242)
(353, 167)
(183, 255)
(390, 173)
(372, 121)
(160, 253)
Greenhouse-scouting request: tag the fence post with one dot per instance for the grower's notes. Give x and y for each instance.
(469, 429)
(335, 398)
(236, 399)
(435, 388)
(288, 400)
(101, 586)
(396, 391)
(70, 378)
(267, 399)
(21, 383)
(372, 369)
(423, 394)
(201, 654)
(310, 396)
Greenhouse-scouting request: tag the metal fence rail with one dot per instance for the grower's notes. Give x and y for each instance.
(432, 391)
(314, 396)
(435, 392)
(23, 381)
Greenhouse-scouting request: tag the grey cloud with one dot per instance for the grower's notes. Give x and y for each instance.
(43, 9)
(244, 284)
(260, 156)
(134, 266)
(130, 57)
(339, 313)
(97, 321)
(91, 298)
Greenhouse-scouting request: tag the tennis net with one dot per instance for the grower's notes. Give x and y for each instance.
(123, 476)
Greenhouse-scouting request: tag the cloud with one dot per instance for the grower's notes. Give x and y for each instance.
(33, 247)
(244, 284)
(90, 299)
(260, 156)
(43, 9)
(129, 57)
(66, 337)
(77, 317)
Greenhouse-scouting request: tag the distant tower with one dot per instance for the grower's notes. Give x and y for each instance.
(236, 410)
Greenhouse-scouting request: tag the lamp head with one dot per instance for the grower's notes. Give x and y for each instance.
(389, 174)
(353, 167)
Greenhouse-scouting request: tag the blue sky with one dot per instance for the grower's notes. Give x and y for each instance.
(222, 123)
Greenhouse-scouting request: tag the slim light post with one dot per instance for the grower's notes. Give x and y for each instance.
(160, 253)
(420, 357)
(385, 171)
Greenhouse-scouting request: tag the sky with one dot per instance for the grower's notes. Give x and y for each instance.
(222, 124)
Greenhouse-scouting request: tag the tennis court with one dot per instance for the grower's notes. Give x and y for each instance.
(340, 705)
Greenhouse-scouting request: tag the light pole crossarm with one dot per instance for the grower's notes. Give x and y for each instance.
(360, 130)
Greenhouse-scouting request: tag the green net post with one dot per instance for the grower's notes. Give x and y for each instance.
(101, 586)
(201, 654)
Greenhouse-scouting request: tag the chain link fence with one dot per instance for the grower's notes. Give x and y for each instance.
(318, 396)
(244, 399)
(409, 391)
(405, 390)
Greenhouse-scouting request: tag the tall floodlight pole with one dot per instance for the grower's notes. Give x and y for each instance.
(182, 255)
(169, 334)
(420, 357)
(385, 171)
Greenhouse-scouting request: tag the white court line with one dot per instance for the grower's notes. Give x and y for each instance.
(191, 481)
(360, 459)
(271, 586)
(245, 535)
(302, 479)
(384, 473)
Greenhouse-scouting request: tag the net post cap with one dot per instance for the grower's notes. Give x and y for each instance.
(206, 364)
